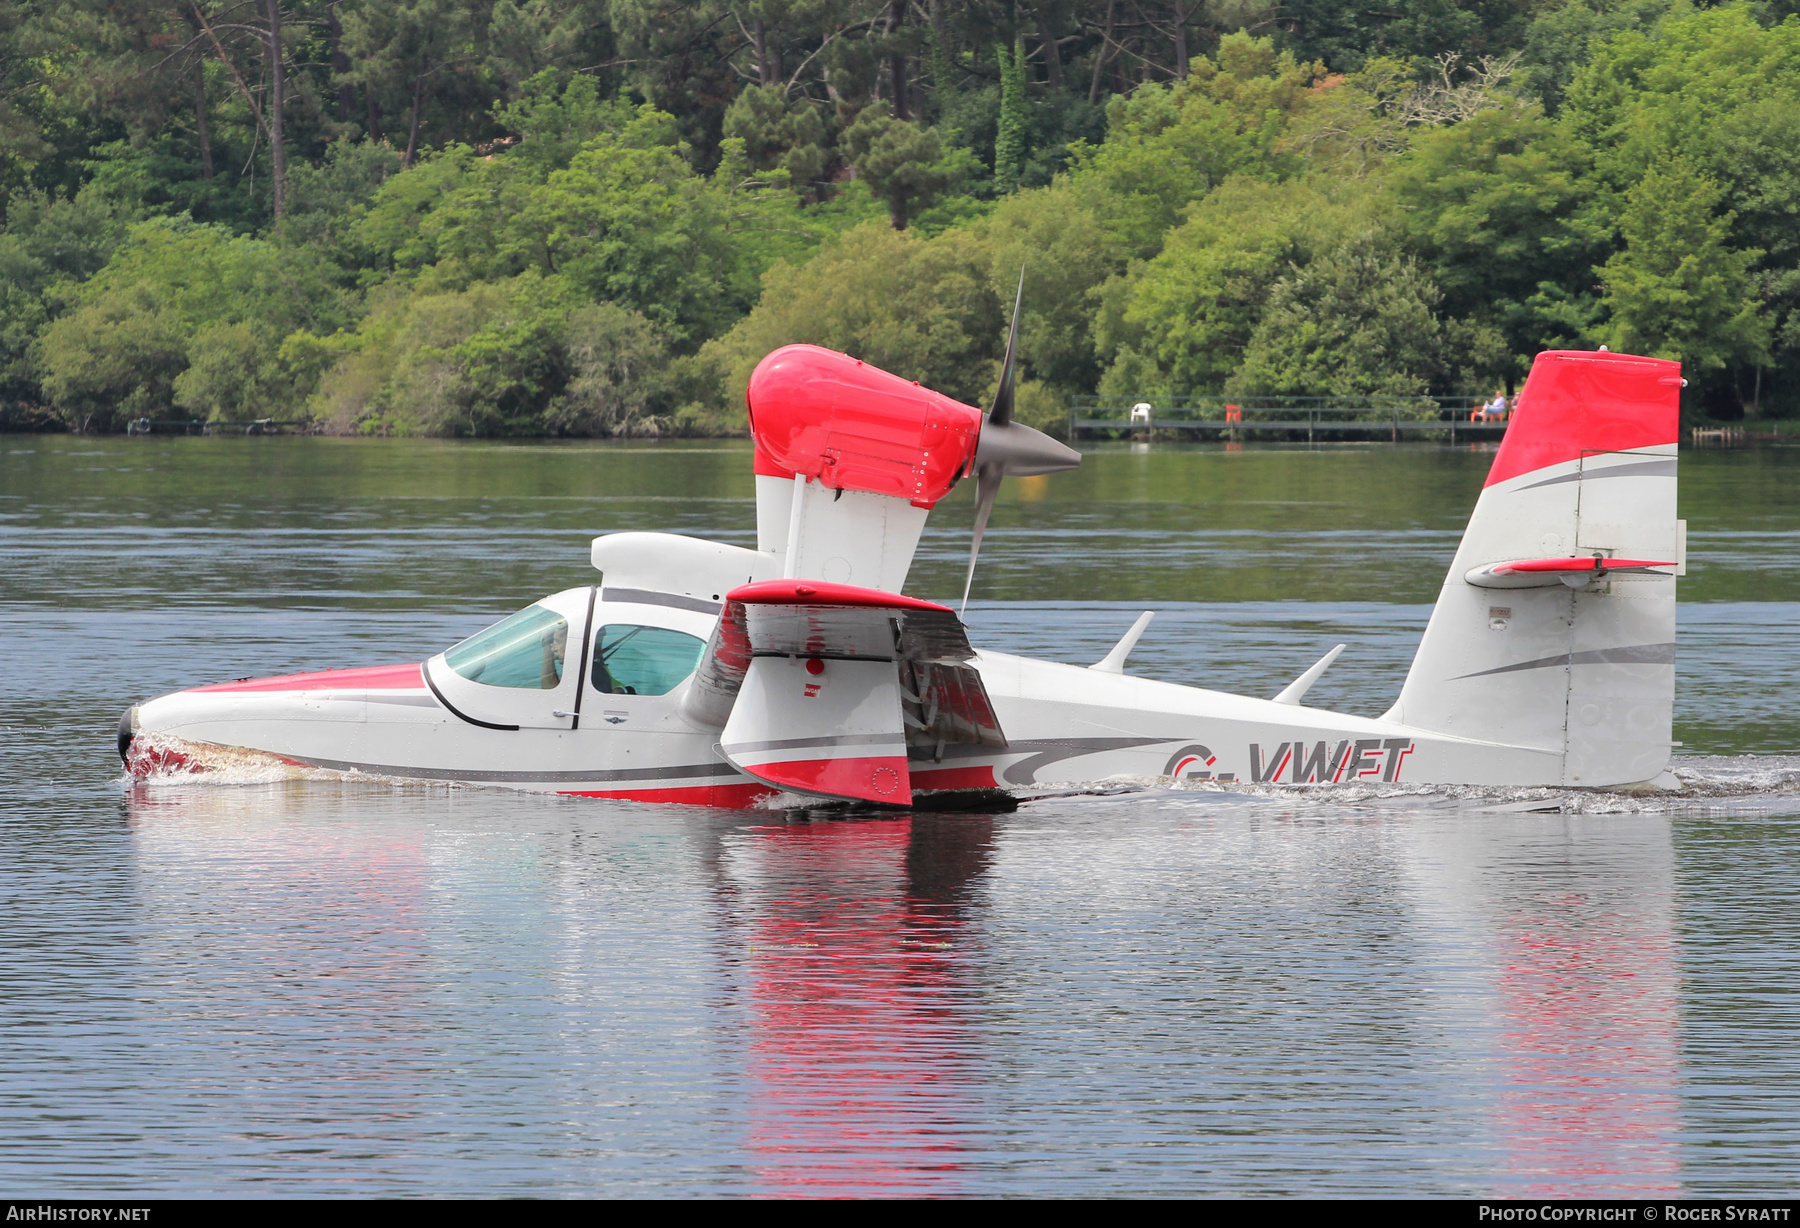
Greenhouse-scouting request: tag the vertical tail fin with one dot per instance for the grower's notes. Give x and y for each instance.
(1555, 629)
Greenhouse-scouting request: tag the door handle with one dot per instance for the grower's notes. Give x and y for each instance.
(560, 712)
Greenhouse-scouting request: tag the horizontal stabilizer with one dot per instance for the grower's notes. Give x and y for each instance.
(1576, 571)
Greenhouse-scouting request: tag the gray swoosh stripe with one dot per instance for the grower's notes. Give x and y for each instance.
(405, 701)
(1637, 654)
(696, 771)
(1043, 752)
(1662, 467)
(842, 739)
(1055, 750)
(645, 596)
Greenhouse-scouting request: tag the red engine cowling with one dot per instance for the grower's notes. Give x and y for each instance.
(851, 426)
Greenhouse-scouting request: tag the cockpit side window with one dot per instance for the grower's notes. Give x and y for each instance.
(525, 651)
(636, 660)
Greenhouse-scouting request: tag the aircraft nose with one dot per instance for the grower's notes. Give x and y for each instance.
(127, 731)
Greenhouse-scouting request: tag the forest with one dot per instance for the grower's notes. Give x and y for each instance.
(593, 217)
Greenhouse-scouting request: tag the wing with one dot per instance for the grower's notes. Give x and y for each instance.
(824, 688)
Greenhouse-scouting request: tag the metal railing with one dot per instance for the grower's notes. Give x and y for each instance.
(200, 426)
(1283, 417)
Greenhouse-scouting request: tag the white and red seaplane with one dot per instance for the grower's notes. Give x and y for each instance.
(711, 674)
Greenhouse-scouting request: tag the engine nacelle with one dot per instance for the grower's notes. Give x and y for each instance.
(849, 460)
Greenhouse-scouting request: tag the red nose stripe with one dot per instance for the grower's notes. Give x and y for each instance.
(372, 678)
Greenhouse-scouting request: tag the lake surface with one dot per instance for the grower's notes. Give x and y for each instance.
(312, 988)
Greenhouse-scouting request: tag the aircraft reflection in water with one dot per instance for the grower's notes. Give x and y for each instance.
(1578, 997)
(290, 971)
(864, 1054)
(428, 989)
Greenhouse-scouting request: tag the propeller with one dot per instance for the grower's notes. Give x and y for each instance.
(1007, 448)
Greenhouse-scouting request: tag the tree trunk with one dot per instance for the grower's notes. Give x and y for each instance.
(205, 134)
(340, 63)
(374, 114)
(412, 133)
(765, 71)
(1102, 55)
(1179, 11)
(1052, 59)
(277, 100)
(897, 64)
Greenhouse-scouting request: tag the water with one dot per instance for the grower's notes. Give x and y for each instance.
(315, 989)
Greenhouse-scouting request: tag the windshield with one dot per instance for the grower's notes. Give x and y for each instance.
(634, 660)
(525, 651)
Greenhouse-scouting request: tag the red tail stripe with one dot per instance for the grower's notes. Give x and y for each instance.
(1576, 402)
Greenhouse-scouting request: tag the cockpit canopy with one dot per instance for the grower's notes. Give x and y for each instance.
(530, 651)
(526, 650)
(632, 659)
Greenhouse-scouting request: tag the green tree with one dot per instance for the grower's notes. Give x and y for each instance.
(1361, 320)
(483, 360)
(231, 374)
(924, 309)
(327, 199)
(621, 378)
(1678, 290)
(1347, 36)
(118, 354)
(1557, 43)
(1192, 310)
(407, 52)
(1500, 209)
(630, 222)
(1169, 146)
(49, 246)
(906, 166)
(556, 114)
(1058, 238)
(112, 361)
(1009, 135)
(1718, 91)
(789, 138)
(393, 237)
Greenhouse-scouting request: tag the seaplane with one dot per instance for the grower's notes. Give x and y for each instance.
(802, 673)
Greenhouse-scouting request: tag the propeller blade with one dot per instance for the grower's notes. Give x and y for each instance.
(1002, 412)
(1007, 448)
(987, 488)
